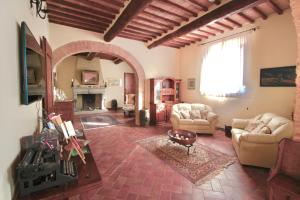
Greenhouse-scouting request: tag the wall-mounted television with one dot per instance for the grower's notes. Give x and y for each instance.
(89, 77)
(32, 77)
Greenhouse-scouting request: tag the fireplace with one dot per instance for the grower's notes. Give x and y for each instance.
(91, 101)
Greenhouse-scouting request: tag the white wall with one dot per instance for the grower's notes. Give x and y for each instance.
(111, 70)
(16, 120)
(273, 45)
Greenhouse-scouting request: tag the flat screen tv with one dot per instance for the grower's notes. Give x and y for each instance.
(89, 77)
(32, 77)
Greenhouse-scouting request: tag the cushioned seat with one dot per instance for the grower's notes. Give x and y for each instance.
(197, 118)
(258, 145)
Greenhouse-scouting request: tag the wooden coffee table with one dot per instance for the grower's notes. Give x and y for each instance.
(182, 137)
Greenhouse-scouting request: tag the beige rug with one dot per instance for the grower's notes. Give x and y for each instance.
(200, 166)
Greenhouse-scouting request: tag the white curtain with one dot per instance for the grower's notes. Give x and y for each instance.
(223, 67)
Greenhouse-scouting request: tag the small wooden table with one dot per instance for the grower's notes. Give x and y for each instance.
(182, 137)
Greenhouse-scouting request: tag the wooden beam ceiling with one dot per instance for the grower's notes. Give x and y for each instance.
(133, 8)
(230, 8)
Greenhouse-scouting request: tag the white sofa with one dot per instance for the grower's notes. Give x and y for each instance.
(197, 125)
(255, 147)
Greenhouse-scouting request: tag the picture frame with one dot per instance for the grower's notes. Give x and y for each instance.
(113, 82)
(278, 77)
(191, 83)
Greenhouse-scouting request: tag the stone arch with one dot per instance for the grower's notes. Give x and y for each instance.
(92, 46)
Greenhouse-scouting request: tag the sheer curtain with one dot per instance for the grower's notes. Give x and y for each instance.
(223, 67)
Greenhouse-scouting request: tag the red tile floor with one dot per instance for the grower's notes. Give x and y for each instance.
(130, 172)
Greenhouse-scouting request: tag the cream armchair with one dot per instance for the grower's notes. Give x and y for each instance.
(258, 148)
(204, 124)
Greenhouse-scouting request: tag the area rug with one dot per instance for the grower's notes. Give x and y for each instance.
(98, 121)
(200, 166)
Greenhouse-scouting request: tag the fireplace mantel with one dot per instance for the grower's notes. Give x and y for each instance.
(87, 90)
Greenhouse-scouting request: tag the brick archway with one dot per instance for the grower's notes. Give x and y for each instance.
(91, 46)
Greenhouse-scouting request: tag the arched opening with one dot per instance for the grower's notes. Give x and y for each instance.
(90, 46)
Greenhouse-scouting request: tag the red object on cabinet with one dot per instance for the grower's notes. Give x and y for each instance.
(164, 92)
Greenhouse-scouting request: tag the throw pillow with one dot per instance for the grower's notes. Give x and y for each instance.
(265, 130)
(257, 130)
(251, 125)
(185, 114)
(204, 114)
(195, 114)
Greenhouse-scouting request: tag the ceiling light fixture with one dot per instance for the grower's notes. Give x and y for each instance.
(41, 11)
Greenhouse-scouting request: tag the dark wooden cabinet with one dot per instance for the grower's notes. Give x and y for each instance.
(164, 92)
(65, 108)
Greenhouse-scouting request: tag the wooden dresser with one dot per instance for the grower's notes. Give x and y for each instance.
(65, 108)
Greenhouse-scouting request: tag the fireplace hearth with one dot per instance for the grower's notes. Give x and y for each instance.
(91, 101)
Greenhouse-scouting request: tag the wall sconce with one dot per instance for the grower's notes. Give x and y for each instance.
(41, 11)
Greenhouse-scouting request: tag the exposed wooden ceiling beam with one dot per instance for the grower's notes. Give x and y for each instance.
(215, 29)
(198, 35)
(184, 40)
(161, 10)
(175, 5)
(153, 22)
(224, 25)
(175, 43)
(176, 23)
(134, 33)
(203, 7)
(117, 61)
(78, 22)
(91, 55)
(171, 45)
(77, 19)
(83, 14)
(138, 29)
(232, 7)
(274, 7)
(207, 32)
(247, 18)
(192, 38)
(111, 3)
(76, 26)
(233, 21)
(140, 33)
(133, 8)
(217, 2)
(147, 26)
(132, 37)
(260, 13)
(95, 5)
(78, 7)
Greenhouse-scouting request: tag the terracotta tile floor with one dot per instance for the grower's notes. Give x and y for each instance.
(130, 172)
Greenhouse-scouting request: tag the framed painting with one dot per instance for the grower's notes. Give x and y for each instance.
(191, 83)
(278, 77)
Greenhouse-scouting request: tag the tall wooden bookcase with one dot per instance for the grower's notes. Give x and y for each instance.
(164, 92)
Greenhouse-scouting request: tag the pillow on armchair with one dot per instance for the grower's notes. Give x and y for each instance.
(130, 99)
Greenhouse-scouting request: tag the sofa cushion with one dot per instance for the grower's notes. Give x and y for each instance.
(252, 125)
(195, 114)
(186, 121)
(201, 122)
(185, 114)
(258, 128)
(275, 123)
(198, 106)
(267, 117)
(204, 114)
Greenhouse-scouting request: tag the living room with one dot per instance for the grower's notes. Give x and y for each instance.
(128, 165)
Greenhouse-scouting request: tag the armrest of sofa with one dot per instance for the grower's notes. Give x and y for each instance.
(175, 116)
(258, 138)
(212, 116)
(240, 123)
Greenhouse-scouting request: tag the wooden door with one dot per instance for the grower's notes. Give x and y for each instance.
(48, 99)
(129, 84)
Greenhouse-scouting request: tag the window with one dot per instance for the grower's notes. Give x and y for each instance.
(222, 68)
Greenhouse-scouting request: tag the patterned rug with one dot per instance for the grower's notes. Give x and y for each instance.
(200, 166)
(98, 121)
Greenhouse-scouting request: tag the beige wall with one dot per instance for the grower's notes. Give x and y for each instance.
(111, 70)
(273, 45)
(16, 120)
(71, 67)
